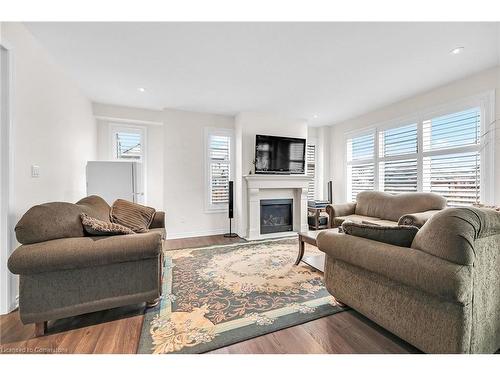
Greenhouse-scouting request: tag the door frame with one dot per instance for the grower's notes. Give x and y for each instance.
(7, 280)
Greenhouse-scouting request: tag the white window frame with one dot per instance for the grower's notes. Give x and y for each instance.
(127, 128)
(208, 131)
(117, 128)
(485, 101)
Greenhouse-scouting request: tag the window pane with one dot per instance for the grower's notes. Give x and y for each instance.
(219, 154)
(360, 178)
(128, 146)
(361, 148)
(398, 141)
(453, 130)
(219, 147)
(311, 171)
(398, 176)
(455, 176)
(219, 183)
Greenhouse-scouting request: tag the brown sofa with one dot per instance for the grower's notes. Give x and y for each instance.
(442, 294)
(375, 207)
(63, 272)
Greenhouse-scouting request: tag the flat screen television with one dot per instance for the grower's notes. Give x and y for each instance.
(279, 155)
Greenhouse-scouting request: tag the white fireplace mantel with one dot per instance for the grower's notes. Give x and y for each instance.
(276, 187)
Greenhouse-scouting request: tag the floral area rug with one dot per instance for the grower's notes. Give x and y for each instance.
(219, 295)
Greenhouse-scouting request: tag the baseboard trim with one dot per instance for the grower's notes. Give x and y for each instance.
(212, 232)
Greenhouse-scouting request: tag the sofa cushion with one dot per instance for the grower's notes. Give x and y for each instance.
(96, 227)
(380, 222)
(96, 207)
(354, 218)
(408, 266)
(135, 216)
(450, 234)
(392, 206)
(83, 252)
(394, 235)
(49, 221)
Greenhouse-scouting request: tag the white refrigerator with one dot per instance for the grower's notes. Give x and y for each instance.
(112, 180)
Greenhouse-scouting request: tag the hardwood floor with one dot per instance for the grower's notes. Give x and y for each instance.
(118, 330)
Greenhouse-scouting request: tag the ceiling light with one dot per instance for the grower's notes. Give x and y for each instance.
(457, 50)
(315, 116)
(141, 89)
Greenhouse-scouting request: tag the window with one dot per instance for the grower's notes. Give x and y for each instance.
(311, 170)
(452, 161)
(443, 153)
(398, 159)
(218, 151)
(360, 164)
(128, 143)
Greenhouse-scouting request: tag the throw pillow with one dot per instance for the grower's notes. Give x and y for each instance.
(96, 227)
(399, 235)
(134, 216)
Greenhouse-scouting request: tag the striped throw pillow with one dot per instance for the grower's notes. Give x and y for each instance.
(96, 227)
(134, 216)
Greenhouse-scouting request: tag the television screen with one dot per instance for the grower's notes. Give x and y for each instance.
(279, 155)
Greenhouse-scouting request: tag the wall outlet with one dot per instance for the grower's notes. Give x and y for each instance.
(35, 171)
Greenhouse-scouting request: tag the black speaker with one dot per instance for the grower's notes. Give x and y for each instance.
(329, 189)
(230, 211)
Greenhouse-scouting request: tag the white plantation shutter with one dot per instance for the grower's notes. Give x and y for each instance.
(361, 177)
(311, 170)
(360, 168)
(398, 159)
(398, 176)
(455, 176)
(453, 130)
(128, 145)
(452, 159)
(441, 154)
(219, 152)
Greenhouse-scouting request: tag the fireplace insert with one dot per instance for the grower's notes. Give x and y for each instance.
(276, 215)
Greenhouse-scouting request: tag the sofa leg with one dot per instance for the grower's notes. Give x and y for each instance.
(152, 303)
(40, 328)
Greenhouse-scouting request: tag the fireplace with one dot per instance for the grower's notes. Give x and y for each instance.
(276, 215)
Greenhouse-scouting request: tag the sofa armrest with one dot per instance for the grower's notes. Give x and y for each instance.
(158, 220)
(335, 210)
(417, 219)
(407, 266)
(83, 252)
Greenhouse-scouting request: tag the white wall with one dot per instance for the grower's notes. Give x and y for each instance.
(175, 174)
(467, 87)
(247, 125)
(184, 185)
(152, 122)
(53, 128)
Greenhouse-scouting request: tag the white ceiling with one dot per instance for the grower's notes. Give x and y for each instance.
(334, 70)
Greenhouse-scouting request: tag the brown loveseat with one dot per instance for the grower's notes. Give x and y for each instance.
(375, 207)
(63, 272)
(442, 294)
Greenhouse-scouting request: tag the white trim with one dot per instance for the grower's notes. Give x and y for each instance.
(211, 232)
(7, 242)
(127, 121)
(485, 101)
(207, 131)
